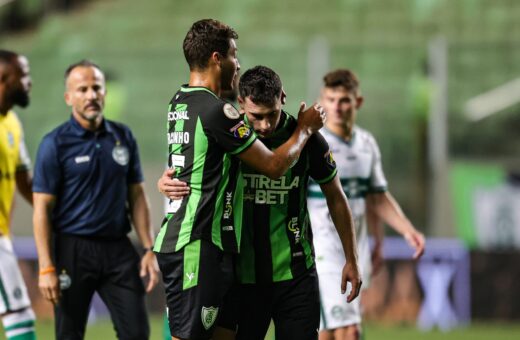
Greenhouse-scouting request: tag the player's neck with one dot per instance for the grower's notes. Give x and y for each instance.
(205, 79)
(343, 131)
(87, 124)
(4, 108)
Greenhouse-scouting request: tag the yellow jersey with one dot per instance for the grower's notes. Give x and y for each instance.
(13, 158)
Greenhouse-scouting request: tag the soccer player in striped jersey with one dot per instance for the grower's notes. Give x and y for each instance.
(207, 137)
(275, 267)
(15, 83)
(361, 174)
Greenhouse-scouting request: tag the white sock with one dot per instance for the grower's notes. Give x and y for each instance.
(19, 325)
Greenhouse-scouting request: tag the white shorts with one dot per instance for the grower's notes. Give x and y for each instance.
(335, 311)
(13, 293)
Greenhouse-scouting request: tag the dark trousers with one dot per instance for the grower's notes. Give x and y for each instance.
(110, 268)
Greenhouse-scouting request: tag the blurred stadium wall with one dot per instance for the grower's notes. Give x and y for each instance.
(386, 42)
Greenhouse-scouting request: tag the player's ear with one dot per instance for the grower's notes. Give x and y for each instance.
(283, 97)
(241, 103)
(67, 98)
(359, 101)
(216, 58)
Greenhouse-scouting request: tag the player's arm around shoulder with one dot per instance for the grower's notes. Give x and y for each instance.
(140, 210)
(48, 280)
(342, 218)
(274, 164)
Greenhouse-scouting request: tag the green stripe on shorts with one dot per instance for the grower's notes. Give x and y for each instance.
(4, 295)
(190, 275)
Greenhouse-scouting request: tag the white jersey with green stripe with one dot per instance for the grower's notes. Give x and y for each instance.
(204, 135)
(360, 171)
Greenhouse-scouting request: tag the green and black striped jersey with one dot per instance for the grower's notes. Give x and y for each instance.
(276, 235)
(204, 133)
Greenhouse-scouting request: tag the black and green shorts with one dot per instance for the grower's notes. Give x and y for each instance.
(200, 290)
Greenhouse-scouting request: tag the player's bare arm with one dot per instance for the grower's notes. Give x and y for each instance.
(24, 185)
(140, 210)
(275, 164)
(390, 212)
(48, 280)
(376, 229)
(342, 218)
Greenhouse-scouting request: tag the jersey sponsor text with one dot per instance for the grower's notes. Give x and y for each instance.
(178, 137)
(264, 190)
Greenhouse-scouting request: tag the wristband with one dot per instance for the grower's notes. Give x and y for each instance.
(47, 270)
(147, 249)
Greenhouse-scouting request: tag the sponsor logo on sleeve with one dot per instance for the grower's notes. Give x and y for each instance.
(230, 111)
(329, 158)
(241, 130)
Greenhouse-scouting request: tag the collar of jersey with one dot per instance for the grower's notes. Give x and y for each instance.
(187, 88)
(81, 131)
(284, 115)
(348, 142)
(281, 127)
(2, 117)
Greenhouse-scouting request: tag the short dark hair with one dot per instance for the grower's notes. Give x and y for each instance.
(81, 63)
(205, 37)
(261, 84)
(7, 58)
(342, 77)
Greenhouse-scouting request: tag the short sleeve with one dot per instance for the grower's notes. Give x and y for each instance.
(47, 170)
(135, 173)
(378, 181)
(229, 130)
(322, 167)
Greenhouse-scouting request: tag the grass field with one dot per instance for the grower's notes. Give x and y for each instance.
(478, 331)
